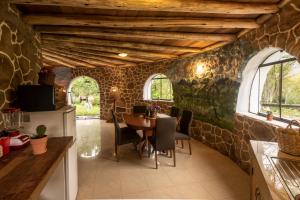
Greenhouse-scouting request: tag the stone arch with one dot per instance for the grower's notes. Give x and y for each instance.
(70, 87)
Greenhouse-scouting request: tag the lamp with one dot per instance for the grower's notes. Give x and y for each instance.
(115, 95)
(199, 69)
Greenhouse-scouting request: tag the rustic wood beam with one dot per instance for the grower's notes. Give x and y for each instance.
(153, 35)
(58, 61)
(71, 61)
(96, 54)
(263, 18)
(132, 52)
(95, 58)
(80, 57)
(136, 22)
(111, 43)
(194, 6)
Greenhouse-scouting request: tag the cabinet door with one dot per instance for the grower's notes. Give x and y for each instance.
(259, 188)
(70, 123)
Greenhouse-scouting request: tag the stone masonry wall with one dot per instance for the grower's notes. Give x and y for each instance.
(211, 96)
(19, 54)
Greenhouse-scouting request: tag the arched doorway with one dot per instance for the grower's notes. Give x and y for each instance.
(84, 93)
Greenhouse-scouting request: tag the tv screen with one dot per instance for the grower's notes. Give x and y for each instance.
(32, 98)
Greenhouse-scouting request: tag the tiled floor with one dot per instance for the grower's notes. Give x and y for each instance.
(205, 175)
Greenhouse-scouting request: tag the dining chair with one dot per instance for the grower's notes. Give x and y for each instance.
(185, 128)
(139, 109)
(125, 135)
(174, 112)
(164, 137)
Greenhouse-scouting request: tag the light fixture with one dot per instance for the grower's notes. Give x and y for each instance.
(199, 69)
(122, 54)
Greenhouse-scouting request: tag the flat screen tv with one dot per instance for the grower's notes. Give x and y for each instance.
(32, 98)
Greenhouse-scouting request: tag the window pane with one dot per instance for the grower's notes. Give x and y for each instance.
(291, 90)
(270, 89)
(155, 89)
(161, 88)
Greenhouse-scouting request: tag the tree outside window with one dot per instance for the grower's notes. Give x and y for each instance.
(161, 88)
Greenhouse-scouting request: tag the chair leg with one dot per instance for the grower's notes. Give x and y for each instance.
(156, 164)
(174, 157)
(149, 149)
(182, 145)
(190, 147)
(116, 152)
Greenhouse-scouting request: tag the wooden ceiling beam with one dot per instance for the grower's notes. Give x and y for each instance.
(191, 6)
(117, 50)
(115, 56)
(96, 58)
(82, 58)
(152, 35)
(58, 61)
(136, 22)
(112, 43)
(75, 62)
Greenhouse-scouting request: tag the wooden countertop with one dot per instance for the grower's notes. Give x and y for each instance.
(262, 152)
(24, 175)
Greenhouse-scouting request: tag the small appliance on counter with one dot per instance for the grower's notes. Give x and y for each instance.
(11, 138)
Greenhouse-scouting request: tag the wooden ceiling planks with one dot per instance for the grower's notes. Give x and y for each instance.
(196, 6)
(95, 32)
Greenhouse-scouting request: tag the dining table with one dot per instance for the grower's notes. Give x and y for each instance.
(146, 124)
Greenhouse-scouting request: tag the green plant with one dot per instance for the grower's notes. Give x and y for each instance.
(269, 113)
(40, 132)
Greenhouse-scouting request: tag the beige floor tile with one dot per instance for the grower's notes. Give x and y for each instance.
(204, 175)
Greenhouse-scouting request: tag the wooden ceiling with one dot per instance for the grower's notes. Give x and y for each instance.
(92, 33)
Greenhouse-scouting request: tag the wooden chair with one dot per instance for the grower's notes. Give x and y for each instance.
(185, 128)
(125, 135)
(139, 109)
(174, 112)
(164, 137)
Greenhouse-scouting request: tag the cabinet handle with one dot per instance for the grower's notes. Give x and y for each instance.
(257, 194)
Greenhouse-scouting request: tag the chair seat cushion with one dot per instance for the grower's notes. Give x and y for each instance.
(181, 136)
(129, 135)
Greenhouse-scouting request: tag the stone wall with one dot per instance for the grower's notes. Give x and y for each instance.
(19, 54)
(212, 95)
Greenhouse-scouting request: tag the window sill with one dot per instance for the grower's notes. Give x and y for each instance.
(276, 123)
(167, 101)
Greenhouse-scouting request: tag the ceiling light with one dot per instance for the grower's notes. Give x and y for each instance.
(122, 54)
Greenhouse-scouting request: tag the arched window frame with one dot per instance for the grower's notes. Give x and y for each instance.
(259, 92)
(147, 88)
(248, 75)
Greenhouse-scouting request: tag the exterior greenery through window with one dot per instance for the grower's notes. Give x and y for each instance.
(161, 88)
(276, 87)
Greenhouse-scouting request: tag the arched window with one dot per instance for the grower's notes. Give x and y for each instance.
(276, 87)
(158, 87)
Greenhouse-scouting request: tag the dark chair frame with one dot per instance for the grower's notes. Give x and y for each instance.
(119, 140)
(186, 132)
(163, 138)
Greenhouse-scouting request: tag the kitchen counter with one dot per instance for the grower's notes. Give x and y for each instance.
(24, 175)
(266, 182)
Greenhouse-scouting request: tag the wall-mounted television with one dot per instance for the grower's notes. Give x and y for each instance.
(32, 98)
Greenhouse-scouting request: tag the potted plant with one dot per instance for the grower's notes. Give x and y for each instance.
(269, 115)
(39, 140)
(153, 110)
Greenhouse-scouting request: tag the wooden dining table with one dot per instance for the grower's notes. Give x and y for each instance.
(146, 125)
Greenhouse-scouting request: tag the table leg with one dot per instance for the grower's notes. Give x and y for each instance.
(144, 142)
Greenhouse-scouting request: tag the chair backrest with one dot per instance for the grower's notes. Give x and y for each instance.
(117, 128)
(185, 122)
(174, 112)
(165, 133)
(139, 109)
